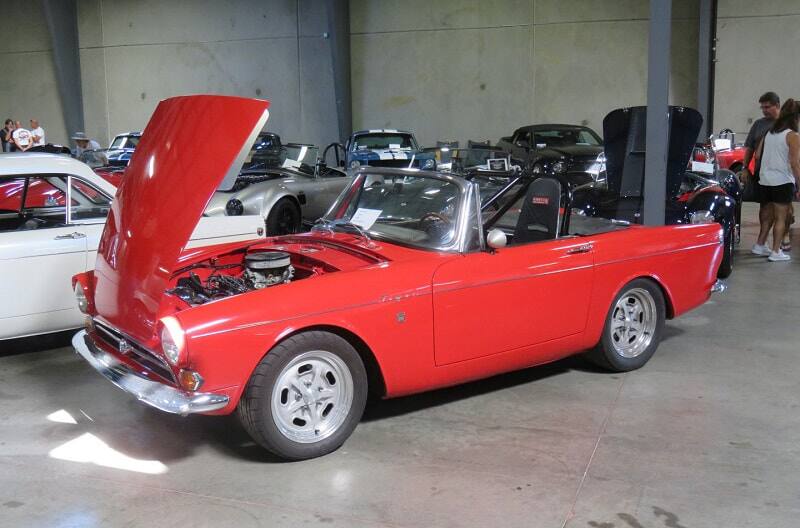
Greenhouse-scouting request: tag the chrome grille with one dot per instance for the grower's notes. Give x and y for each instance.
(132, 350)
(580, 165)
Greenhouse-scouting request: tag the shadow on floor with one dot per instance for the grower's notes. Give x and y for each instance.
(382, 409)
(10, 347)
(144, 433)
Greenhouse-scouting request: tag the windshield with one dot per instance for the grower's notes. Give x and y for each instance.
(566, 137)
(300, 158)
(124, 142)
(94, 158)
(384, 140)
(415, 210)
(490, 185)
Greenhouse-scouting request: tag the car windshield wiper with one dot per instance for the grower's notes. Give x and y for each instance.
(331, 226)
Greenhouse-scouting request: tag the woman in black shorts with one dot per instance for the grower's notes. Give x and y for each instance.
(779, 177)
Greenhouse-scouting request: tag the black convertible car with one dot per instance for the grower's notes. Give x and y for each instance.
(691, 197)
(572, 152)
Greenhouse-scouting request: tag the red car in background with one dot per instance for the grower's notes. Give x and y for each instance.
(724, 150)
(404, 286)
(112, 175)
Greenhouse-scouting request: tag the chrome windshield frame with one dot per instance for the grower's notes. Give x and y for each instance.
(460, 241)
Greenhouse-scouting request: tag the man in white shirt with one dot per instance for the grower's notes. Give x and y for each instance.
(38, 133)
(21, 137)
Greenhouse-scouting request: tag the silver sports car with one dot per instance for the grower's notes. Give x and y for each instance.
(288, 186)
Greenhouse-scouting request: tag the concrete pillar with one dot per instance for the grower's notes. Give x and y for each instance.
(705, 65)
(339, 31)
(62, 23)
(657, 143)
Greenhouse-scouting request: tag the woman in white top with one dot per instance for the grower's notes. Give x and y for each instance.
(779, 177)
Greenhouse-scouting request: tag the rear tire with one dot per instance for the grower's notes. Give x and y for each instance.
(633, 329)
(306, 396)
(726, 266)
(284, 218)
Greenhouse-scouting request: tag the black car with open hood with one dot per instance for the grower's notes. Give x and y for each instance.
(691, 197)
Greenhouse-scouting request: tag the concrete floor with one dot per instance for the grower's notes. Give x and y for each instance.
(706, 435)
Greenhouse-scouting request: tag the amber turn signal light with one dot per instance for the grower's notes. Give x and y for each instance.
(190, 380)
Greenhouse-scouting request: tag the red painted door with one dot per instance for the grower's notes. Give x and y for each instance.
(517, 297)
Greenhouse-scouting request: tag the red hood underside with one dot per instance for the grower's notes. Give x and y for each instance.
(174, 171)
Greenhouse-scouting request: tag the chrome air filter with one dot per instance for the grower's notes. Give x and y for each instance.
(267, 260)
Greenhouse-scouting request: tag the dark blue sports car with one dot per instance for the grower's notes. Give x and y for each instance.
(387, 148)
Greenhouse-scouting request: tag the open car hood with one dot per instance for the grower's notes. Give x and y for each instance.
(166, 187)
(624, 139)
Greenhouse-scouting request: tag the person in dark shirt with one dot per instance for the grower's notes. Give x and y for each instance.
(5, 135)
(770, 105)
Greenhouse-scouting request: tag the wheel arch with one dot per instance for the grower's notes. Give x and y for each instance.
(375, 379)
(273, 200)
(668, 302)
(665, 291)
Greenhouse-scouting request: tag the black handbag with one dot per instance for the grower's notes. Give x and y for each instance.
(750, 189)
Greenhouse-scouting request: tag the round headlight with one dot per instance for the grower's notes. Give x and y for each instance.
(559, 167)
(537, 168)
(80, 297)
(173, 343)
(234, 207)
(428, 164)
(355, 164)
(702, 216)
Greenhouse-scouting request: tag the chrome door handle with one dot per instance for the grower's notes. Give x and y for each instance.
(74, 235)
(585, 248)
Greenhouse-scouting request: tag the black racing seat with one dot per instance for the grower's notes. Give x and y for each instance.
(540, 214)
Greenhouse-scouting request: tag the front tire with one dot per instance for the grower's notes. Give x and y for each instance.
(633, 329)
(726, 266)
(306, 396)
(284, 218)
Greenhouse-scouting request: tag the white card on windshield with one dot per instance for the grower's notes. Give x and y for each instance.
(722, 144)
(394, 146)
(699, 166)
(290, 164)
(364, 218)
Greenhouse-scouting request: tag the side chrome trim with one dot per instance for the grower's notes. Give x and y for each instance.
(159, 395)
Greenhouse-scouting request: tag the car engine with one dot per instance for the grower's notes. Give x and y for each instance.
(262, 269)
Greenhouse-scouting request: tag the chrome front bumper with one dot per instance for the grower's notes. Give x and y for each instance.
(719, 286)
(158, 395)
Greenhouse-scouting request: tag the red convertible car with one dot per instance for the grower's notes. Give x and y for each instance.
(723, 150)
(404, 286)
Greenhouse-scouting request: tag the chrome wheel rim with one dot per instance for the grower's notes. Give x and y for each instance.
(312, 397)
(633, 322)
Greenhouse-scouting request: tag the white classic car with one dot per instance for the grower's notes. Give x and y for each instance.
(43, 243)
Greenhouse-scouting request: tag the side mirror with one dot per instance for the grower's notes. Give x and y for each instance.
(522, 143)
(496, 239)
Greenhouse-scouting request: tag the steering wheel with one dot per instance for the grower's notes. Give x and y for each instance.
(436, 226)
